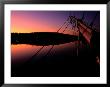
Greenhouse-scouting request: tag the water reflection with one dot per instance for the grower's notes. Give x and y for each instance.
(73, 59)
(24, 52)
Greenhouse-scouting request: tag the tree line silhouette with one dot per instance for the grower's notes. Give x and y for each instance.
(41, 38)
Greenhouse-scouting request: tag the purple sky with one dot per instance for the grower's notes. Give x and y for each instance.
(46, 21)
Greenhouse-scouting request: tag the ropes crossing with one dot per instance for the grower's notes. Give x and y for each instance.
(70, 20)
(52, 45)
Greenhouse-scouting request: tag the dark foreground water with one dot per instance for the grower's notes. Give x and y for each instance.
(64, 60)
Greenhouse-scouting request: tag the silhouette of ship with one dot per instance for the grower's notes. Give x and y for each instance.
(75, 65)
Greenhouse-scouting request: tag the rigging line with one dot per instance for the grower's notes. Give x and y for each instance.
(62, 25)
(38, 51)
(53, 45)
(91, 24)
(44, 46)
(65, 28)
(49, 50)
(31, 58)
(57, 31)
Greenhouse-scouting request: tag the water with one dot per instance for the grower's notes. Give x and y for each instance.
(23, 52)
(63, 60)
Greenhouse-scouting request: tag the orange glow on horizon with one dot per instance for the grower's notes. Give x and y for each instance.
(28, 22)
(25, 24)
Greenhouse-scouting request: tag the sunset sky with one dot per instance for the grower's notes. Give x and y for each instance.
(45, 21)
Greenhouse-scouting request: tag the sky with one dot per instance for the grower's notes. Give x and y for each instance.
(46, 21)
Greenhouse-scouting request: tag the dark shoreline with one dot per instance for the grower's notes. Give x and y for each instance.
(41, 38)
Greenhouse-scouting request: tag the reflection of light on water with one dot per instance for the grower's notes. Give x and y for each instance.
(23, 52)
(62, 47)
(20, 52)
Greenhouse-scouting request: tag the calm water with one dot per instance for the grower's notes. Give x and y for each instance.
(69, 59)
(24, 52)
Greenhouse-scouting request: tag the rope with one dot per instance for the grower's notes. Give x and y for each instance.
(92, 22)
(60, 27)
(52, 45)
(49, 51)
(65, 28)
(38, 51)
